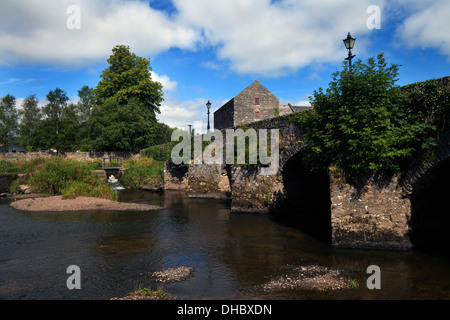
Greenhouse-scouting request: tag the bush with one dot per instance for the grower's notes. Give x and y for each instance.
(364, 124)
(141, 172)
(67, 177)
(8, 167)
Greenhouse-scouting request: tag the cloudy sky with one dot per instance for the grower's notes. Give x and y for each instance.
(212, 49)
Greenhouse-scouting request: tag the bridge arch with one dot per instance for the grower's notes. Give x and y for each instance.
(306, 198)
(428, 188)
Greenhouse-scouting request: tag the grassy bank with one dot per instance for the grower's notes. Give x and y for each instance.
(72, 178)
(57, 175)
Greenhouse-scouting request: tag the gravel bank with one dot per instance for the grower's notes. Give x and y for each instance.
(57, 204)
(311, 277)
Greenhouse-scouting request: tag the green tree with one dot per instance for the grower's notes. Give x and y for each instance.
(30, 118)
(53, 111)
(364, 124)
(122, 127)
(84, 109)
(86, 104)
(8, 120)
(59, 128)
(127, 77)
(127, 99)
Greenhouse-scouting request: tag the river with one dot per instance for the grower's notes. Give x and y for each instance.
(232, 254)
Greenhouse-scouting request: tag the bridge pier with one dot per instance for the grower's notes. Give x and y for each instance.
(372, 215)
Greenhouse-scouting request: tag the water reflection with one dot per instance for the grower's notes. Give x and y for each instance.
(231, 254)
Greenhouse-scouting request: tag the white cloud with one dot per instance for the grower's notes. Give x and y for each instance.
(427, 27)
(168, 85)
(36, 31)
(266, 38)
(179, 114)
(260, 37)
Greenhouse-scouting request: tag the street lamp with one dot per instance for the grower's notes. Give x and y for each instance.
(349, 43)
(208, 105)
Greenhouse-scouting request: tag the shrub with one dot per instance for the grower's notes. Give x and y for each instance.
(8, 167)
(67, 177)
(141, 172)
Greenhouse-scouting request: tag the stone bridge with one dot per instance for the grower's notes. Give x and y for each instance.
(397, 213)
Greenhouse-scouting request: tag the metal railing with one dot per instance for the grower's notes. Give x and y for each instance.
(112, 162)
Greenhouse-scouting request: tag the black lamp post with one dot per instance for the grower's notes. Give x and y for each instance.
(208, 105)
(349, 43)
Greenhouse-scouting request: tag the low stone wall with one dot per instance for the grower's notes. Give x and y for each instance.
(6, 180)
(208, 181)
(14, 156)
(79, 156)
(374, 215)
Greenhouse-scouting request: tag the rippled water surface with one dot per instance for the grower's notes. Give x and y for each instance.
(232, 254)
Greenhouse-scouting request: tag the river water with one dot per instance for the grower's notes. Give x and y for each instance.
(232, 254)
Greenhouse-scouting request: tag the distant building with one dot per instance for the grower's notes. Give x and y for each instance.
(253, 104)
(13, 148)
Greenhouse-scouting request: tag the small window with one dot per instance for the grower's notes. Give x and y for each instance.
(256, 114)
(257, 101)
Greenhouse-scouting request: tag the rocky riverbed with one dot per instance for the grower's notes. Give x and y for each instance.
(309, 277)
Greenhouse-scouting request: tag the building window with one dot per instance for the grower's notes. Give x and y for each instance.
(257, 101)
(257, 114)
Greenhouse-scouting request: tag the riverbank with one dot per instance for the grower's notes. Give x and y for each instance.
(41, 203)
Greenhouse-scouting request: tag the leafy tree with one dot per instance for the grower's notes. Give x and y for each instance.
(352, 122)
(8, 120)
(84, 109)
(86, 104)
(30, 119)
(127, 99)
(125, 127)
(128, 77)
(59, 128)
(364, 124)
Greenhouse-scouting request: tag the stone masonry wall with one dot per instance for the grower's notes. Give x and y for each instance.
(245, 105)
(374, 215)
(208, 181)
(79, 156)
(224, 117)
(252, 192)
(175, 178)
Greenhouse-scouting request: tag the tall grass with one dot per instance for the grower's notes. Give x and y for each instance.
(67, 177)
(141, 172)
(7, 167)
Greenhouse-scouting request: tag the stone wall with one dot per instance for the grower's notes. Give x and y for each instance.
(79, 156)
(372, 215)
(6, 180)
(252, 192)
(175, 178)
(208, 181)
(245, 105)
(224, 117)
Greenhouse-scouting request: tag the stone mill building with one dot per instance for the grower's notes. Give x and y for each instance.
(253, 104)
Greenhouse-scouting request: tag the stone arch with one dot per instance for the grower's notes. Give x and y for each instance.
(306, 196)
(428, 188)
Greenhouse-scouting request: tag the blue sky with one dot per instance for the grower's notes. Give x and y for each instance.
(212, 49)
